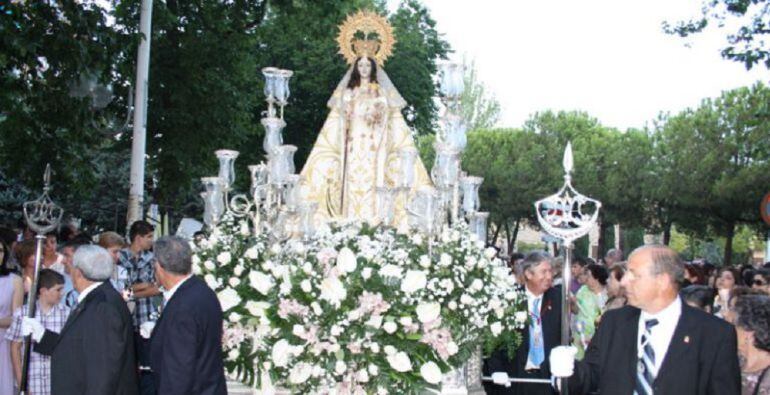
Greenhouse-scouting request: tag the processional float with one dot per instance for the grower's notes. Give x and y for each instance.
(42, 216)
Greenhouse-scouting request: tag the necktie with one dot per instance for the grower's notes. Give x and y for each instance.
(644, 376)
(536, 349)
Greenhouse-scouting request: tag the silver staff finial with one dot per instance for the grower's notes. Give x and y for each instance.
(42, 214)
(568, 162)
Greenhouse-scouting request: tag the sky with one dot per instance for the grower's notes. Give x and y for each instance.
(609, 58)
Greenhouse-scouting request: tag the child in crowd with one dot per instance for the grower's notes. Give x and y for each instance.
(52, 315)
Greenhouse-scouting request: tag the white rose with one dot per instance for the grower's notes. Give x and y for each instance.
(234, 281)
(257, 309)
(228, 298)
(477, 285)
(336, 330)
(453, 305)
(281, 353)
(374, 347)
(305, 285)
(496, 328)
(375, 321)
(414, 281)
(390, 327)
(224, 258)
(405, 321)
(298, 330)
(366, 273)
(430, 372)
(211, 281)
(362, 376)
(307, 268)
(333, 291)
(300, 373)
(466, 299)
(340, 367)
(451, 348)
(346, 260)
(424, 261)
(373, 369)
(427, 312)
(400, 362)
(510, 295)
(390, 271)
(445, 260)
(209, 265)
(252, 253)
(389, 350)
(520, 316)
(238, 270)
(262, 282)
(234, 317)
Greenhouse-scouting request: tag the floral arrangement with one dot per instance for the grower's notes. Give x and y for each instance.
(357, 309)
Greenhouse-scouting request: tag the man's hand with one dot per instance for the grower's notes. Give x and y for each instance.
(501, 378)
(31, 326)
(562, 360)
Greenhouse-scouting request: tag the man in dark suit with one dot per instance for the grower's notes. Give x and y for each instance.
(186, 343)
(543, 334)
(94, 353)
(657, 344)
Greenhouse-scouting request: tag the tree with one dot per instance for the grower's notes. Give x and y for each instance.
(746, 44)
(479, 108)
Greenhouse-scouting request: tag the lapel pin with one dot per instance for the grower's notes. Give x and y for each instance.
(687, 339)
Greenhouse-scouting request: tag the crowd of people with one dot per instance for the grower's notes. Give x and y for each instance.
(651, 324)
(112, 316)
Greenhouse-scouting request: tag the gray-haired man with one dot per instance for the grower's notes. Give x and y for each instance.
(94, 353)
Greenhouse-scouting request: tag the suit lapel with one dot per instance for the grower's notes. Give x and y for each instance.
(679, 346)
(630, 338)
(79, 309)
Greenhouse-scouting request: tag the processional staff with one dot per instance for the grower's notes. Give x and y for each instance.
(42, 216)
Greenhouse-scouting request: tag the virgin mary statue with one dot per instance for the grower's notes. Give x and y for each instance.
(365, 144)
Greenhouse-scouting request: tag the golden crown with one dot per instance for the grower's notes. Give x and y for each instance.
(366, 22)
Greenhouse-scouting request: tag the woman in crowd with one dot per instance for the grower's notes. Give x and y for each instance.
(591, 299)
(693, 275)
(727, 279)
(616, 298)
(11, 298)
(752, 324)
(737, 293)
(698, 296)
(761, 280)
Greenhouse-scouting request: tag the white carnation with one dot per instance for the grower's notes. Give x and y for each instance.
(228, 299)
(224, 258)
(389, 350)
(252, 253)
(346, 260)
(340, 367)
(430, 372)
(452, 348)
(238, 270)
(281, 353)
(414, 281)
(209, 265)
(424, 261)
(362, 376)
(262, 282)
(333, 291)
(405, 321)
(390, 327)
(373, 369)
(400, 362)
(375, 321)
(477, 285)
(366, 273)
(428, 312)
(445, 260)
(305, 285)
(234, 281)
(300, 373)
(496, 328)
(520, 317)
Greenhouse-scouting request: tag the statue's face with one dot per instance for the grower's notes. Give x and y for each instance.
(364, 67)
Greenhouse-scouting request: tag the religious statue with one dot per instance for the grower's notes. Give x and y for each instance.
(361, 148)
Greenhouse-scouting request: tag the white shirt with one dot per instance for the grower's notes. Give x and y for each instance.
(660, 334)
(531, 298)
(168, 294)
(87, 291)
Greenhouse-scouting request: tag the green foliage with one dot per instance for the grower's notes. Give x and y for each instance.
(747, 43)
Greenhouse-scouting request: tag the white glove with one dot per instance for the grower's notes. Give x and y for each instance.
(501, 378)
(31, 326)
(562, 360)
(145, 330)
